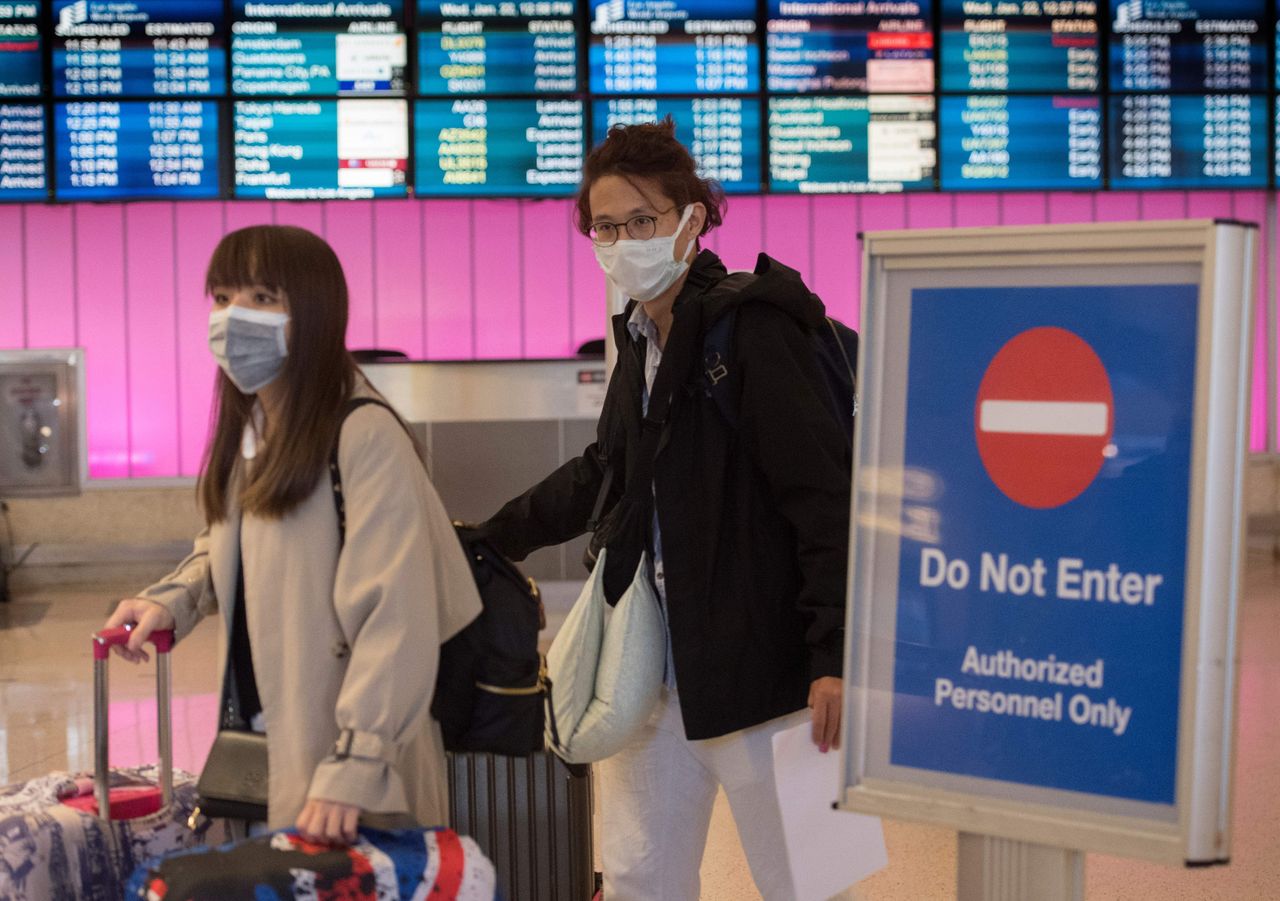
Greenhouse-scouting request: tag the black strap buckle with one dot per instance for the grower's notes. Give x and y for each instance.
(342, 747)
(716, 370)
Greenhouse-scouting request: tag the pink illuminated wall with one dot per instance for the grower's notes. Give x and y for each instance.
(436, 279)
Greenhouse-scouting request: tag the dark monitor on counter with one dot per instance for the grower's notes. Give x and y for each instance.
(42, 446)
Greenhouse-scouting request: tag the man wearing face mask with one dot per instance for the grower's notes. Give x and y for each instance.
(747, 532)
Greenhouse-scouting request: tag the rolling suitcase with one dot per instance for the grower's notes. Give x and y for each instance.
(532, 817)
(54, 846)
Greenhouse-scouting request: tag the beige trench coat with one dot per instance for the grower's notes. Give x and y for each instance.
(343, 640)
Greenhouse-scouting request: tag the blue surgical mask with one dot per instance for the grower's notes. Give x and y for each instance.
(249, 345)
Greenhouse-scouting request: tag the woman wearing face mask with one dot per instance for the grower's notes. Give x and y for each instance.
(748, 534)
(330, 646)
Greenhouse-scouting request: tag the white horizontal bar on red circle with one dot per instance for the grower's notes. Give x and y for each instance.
(1043, 417)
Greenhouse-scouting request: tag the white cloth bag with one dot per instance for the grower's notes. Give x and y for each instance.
(606, 667)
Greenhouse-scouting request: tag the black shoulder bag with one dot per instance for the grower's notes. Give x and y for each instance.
(233, 784)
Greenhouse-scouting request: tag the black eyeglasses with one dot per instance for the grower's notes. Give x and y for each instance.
(638, 228)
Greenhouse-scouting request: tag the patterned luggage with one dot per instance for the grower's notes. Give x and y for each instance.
(532, 816)
(392, 865)
(53, 844)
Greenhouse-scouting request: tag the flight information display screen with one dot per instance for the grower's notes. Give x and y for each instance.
(1187, 141)
(139, 48)
(114, 150)
(23, 152)
(519, 47)
(722, 133)
(988, 45)
(335, 99)
(1189, 45)
(1002, 142)
(21, 64)
(674, 47)
(821, 46)
(847, 145)
(282, 47)
(321, 149)
(1277, 144)
(478, 147)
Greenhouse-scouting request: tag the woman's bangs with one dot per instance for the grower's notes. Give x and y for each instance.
(246, 257)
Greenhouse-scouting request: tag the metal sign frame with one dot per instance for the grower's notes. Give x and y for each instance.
(1222, 255)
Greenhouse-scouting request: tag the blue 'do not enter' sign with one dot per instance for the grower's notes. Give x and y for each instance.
(1039, 618)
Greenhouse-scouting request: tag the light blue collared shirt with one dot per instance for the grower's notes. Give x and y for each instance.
(641, 326)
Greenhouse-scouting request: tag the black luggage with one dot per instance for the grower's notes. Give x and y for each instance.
(532, 817)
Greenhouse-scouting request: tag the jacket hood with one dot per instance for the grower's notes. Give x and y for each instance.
(773, 283)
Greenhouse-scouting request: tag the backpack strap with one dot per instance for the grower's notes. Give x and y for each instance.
(677, 360)
(672, 371)
(716, 373)
(335, 474)
(598, 510)
(719, 376)
(844, 355)
(701, 277)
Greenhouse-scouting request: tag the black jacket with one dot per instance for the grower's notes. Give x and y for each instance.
(754, 519)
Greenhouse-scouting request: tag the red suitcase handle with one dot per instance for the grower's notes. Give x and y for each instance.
(129, 803)
(108, 638)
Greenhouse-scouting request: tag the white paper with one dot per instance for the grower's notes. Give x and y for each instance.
(829, 850)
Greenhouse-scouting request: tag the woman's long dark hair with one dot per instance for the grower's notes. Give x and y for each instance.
(318, 375)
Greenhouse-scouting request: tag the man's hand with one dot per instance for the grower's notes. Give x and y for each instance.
(328, 822)
(826, 697)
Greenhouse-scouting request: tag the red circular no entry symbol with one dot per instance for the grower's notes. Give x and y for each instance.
(1044, 417)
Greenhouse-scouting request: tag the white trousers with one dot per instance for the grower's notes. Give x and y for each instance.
(656, 797)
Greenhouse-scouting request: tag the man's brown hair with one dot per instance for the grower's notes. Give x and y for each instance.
(649, 151)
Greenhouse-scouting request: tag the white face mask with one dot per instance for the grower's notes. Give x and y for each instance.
(642, 270)
(249, 345)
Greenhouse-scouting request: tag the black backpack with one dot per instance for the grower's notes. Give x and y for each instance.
(835, 349)
(492, 686)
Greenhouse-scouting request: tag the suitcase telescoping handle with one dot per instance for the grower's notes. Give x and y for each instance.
(102, 643)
